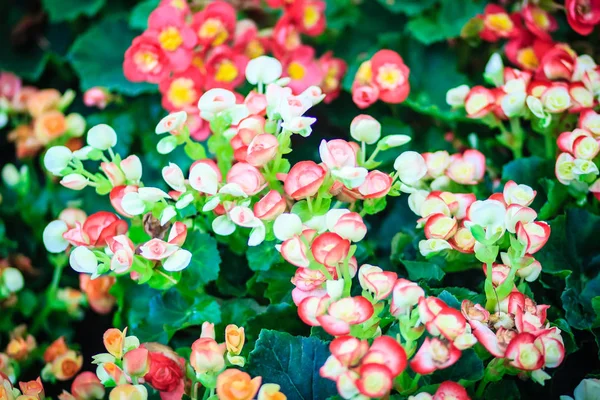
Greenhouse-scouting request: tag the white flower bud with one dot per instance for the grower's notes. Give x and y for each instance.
(166, 145)
(132, 204)
(132, 168)
(57, 158)
(10, 175)
(83, 260)
(75, 124)
(455, 97)
(263, 69)
(12, 279)
(286, 226)
(411, 167)
(365, 128)
(74, 181)
(102, 137)
(391, 141)
(53, 236)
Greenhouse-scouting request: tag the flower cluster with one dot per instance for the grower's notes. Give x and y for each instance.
(187, 53)
(62, 363)
(37, 117)
(31, 390)
(384, 77)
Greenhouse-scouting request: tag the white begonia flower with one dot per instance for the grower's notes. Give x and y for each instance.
(335, 288)
(102, 137)
(132, 168)
(204, 179)
(365, 128)
(257, 235)
(57, 158)
(263, 69)
(133, 204)
(392, 141)
(513, 104)
(177, 261)
(215, 101)
(223, 226)
(455, 97)
(286, 226)
(488, 214)
(584, 167)
(411, 167)
(332, 217)
(171, 122)
(83, 260)
(12, 279)
(432, 246)
(53, 236)
(535, 106)
(351, 177)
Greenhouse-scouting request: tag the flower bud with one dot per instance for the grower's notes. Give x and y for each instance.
(455, 97)
(83, 260)
(166, 145)
(57, 158)
(129, 392)
(12, 279)
(171, 122)
(391, 141)
(75, 124)
(174, 177)
(263, 69)
(136, 362)
(132, 204)
(113, 173)
(270, 391)
(102, 137)
(132, 168)
(96, 97)
(87, 386)
(513, 104)
(234, 339)
(556, 99)
(411, 167)
(207, 356)
(208, 330)
(286, 226)
(432, 246)
(335, 288)
(365, 128)
(53, 236)
(10, 175)
(74, 181)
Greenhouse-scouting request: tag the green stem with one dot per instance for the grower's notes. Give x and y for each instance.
(372, 157)
(50, 297)
(549, 145)
(481, 388)
(519, 139)
(310, 207)
(363, 155)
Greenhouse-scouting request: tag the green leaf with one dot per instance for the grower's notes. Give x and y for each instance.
(263, 256)
(277, 280)
(449, 299)
(68, 10)
(205, 263)
(408, 7)
(195, 151)
(293, 363)
(502, 390)
(374, 206)
(97, 57)
(567, 334)
(527, 171)
(138, 19)
(281, 317)
(418, 270)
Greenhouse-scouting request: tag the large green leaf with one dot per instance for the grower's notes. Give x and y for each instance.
(263, 256)
(97, 57)
(205, 263)
(138, 19)
(408, 7)
(293, 363)
(423, 270)
(469, 367)
(68, 10)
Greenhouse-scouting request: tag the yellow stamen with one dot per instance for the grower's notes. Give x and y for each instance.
(296, 71)
(181, 92)
(170, 39)
(226, 72)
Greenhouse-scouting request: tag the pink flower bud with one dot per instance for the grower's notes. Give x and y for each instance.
(262, 149)
(451, 390)
(136, 362)
(74, 181)
(132, 168)
(293, 250)
(377, 184)
(377, 281)
(590, 121)
(208, 330)
(467, 168)
(247, 177)
(71, 216)
(330, 249)
(123, 250)
(405, 295)
(364, 95)
(304, 180)
(96, 97)
(270, 206)
(524, 354)
(207, 356)
(439, 226)
(463, 240)
(156, 249)
(113, 173)
(350, 226)
(348, 349)
(337, 153)
(533, 235)
(87, 386)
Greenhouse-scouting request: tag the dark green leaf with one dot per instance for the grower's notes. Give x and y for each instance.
(205, 263)
(423, 270)
(293, 363)
(408, 7)
(138, 19)
(97, 57)
(502, 390)
(469, 367)
(263, 256)
(68, 10)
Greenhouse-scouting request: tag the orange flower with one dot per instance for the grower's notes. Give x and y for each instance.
(66, 366)
(33, 388)
(97, 292)
(114, 341)
(74, 144)
(234, 339)
(57, 348)
(50, 125)
(26, 142)
(234, 384)
(42, 101)
(20, 346)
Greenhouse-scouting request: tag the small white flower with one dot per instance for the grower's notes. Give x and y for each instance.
(74, 181)
(411, 167)
(53, 236)
(263, 69)
(171, 122)
(455, 97)
(57, 158)
(133, 204)
(177, 261)
(286, 226)
(83, 260)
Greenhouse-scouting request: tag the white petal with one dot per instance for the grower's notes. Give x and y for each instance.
(53, 236)
(223, 226)
(83, 260)
(178, 260)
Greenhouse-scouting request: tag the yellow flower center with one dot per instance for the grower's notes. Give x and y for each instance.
(390, 76)
(364, 73)
(540, 18)
(499, 22)
(145, 60)
(170, 39)
(527, 58)
(213, 28)
(296, 71)
(226, 72)
(254, 49)
(311, 16)
(292, 40)
(179, 4)
(181, 92)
